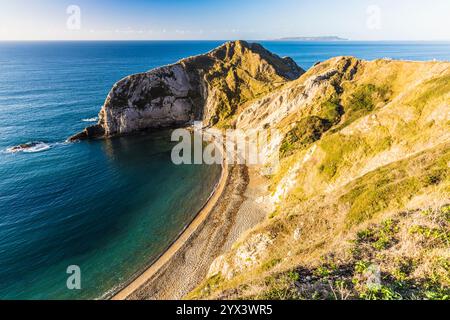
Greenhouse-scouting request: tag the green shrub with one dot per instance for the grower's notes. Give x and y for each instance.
(294, 276)
(306, 132)
(364, 100)
(331, 111)
(431, 233)
(361, 266)
(380, 293)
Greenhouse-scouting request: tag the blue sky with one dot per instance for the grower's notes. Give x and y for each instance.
(227, 19)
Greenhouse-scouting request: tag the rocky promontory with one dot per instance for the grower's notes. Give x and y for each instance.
(362, 179)
(209, 88)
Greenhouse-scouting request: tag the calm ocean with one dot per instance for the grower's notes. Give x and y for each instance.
(110, 207)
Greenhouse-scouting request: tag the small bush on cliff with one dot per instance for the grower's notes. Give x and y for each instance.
(364, 100)
(306, 131)
(332, 111)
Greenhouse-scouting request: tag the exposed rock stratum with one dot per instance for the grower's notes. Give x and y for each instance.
(209, 88)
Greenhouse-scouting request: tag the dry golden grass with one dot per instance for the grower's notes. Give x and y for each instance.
(374, 193)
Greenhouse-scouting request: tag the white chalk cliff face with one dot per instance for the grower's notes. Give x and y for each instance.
(162, 98)
(209, 88)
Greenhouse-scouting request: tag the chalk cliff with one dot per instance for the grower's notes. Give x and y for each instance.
(362, 189)
(209, 88)
(363, 177)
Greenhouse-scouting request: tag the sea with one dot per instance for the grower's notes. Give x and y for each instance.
(106, 209)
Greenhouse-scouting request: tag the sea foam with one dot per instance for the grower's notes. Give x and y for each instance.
(95, 119)
(30, 147)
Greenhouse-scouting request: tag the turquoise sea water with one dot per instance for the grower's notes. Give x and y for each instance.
(110, 207)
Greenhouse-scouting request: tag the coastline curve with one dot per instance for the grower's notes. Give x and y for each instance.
(151, 271)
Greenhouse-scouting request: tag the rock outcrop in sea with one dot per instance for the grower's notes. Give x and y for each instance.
(207, 88)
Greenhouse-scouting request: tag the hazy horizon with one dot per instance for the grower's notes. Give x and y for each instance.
(103, 20)
(215, 40)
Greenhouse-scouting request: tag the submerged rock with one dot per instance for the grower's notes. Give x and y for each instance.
(29, 147)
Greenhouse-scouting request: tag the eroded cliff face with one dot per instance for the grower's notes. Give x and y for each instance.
(364, 167)
(211, 88)
(164, 97)
(364, 178)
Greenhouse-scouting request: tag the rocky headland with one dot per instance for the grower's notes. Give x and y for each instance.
(201, 88)
(362, 185)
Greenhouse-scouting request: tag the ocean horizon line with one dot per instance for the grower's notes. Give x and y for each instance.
(225, 40)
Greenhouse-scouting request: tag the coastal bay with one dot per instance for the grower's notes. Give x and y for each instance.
(82, 203)
(226, 218)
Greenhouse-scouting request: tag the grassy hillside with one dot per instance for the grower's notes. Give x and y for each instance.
(368, 147)
(236, 73)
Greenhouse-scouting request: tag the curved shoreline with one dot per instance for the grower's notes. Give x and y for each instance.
(180, 241)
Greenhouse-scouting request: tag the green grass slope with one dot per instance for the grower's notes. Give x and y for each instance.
(369, 153)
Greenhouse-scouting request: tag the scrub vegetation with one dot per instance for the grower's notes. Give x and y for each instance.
(367, 214)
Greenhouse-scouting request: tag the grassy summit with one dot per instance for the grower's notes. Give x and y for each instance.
(236, 73)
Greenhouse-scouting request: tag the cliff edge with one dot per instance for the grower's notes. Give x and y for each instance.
(361, 190)
(209, 88)
(361, 197)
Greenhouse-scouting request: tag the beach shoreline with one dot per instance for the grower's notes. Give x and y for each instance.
(230, 212)
(184, 236)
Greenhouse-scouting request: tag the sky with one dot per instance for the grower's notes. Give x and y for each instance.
(223, 20)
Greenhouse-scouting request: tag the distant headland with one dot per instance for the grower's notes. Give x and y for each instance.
(325, 38)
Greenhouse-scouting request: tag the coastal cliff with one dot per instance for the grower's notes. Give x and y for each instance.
(361, 198)
(362, 190)
(208, 88)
